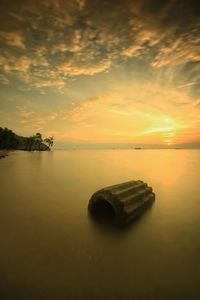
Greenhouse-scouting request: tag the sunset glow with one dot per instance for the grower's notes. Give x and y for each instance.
(93, 72)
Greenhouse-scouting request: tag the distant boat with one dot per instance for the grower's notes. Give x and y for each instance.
(137, 148)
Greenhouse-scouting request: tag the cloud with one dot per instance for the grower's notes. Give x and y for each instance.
(44, 43)
(179, 51)
(14, 39)
(133, 51)
(137, 114)
(166, 29)
(79, 112)
(81, 4)
(59, 84)
(4, 79)
(73, 70)
(33, 118)
(129, 113)
(54, 52)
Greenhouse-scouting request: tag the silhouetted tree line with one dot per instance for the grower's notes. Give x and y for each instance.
(9, 140)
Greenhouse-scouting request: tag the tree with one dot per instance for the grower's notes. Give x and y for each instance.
(30, 141)
(49, 141)
(7, 138)
(38, 139)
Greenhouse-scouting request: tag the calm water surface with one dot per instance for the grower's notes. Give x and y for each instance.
(50, 249)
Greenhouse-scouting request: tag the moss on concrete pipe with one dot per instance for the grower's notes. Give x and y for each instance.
(121, 203)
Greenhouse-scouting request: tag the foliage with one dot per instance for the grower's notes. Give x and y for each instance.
(49, 141)
(10, 140)
(38, 139)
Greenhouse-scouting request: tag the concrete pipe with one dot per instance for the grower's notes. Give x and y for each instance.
(121, 203)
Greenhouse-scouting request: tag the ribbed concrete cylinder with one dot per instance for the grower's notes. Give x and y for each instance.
(121, 203)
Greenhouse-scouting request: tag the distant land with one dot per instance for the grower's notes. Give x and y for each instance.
(11, 141)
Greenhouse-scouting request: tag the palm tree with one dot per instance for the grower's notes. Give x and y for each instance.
(49, 141)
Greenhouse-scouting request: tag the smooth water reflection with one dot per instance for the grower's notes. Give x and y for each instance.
(51, 249)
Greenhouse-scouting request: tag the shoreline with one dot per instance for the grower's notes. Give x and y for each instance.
(3, 153)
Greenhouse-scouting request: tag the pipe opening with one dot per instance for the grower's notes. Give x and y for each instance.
(102, 210)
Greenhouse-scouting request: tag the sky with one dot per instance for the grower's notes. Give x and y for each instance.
(101, 72)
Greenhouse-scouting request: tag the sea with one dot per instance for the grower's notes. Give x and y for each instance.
(51, 249)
